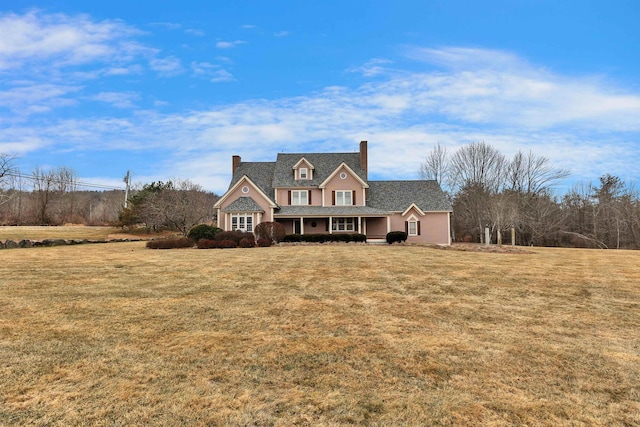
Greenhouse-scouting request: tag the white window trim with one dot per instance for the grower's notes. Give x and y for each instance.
(412, 220)
(303, 173)
(297, 194)
(347, 223)
(246, 219)
(341, 194)
(413, 224)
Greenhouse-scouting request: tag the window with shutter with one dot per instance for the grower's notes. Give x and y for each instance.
(343, 198)
(299, 197)
(412, 228)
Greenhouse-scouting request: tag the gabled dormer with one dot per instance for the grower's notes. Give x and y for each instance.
(343, 187)
(303, 170)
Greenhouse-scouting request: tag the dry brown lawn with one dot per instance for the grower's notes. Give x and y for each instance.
(66, 232)
(119, 335)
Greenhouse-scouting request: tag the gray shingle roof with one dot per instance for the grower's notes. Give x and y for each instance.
(261, 173)
(324, 165)
(383, 196)
(243, 204)
(399, 195)
(329, 211)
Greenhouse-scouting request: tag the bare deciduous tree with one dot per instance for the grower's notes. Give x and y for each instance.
(43, 187)
(478, 164)
(531, 174)
(436, 165)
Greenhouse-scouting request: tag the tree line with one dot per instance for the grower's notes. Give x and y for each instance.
(489, 190)
(55, 197)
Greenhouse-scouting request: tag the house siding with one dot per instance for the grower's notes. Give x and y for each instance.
(350, 183)
(434, 227)
(283, 196)
(223, 217)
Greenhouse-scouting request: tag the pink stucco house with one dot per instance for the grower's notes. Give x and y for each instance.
(331, 193)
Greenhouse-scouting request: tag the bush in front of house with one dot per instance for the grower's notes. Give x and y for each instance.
(292, 238)
(396, 236)
(264, 243)
(203, 231)
(175, 243)
(324, 238)
(270, 230)
(207, 244)
(235, 236)
(247, 243)
(227, 244)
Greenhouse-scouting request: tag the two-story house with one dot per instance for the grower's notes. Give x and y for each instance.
(331, 193)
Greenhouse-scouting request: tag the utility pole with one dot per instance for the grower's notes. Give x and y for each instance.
(127, 180)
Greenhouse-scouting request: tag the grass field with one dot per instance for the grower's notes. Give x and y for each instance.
(118, 335)
(67, 232)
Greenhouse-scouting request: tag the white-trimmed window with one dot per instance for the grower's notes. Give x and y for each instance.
(344, 198)
(303, 173)
(300, 197)
(242, 222)
(343, 224)
(413, 228)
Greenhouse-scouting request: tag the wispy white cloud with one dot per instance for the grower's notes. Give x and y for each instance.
(195, 32)
(247, 26)
(373, 67)
(29, 98)
(117, 99)
(124, 71)
(228, 44)
(453, 96)
(167, 67)
(282, 33)
(167, 25)
(213, 72)
(58, 40)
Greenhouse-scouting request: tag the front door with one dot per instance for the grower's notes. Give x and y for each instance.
(296, 226)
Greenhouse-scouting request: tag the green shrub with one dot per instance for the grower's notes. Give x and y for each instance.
(292, 238)
(322, 238)
(203, 231)
(360, 238)
(396, 236)
(180, 242)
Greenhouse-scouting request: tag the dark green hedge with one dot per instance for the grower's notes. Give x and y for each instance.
(323, 238)
(396, 236)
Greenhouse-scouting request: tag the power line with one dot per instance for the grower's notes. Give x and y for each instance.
(57, 180)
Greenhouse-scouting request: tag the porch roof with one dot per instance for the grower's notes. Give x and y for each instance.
(243, 204)
(298, 211)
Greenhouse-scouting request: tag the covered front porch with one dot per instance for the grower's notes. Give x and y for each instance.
(373, 223)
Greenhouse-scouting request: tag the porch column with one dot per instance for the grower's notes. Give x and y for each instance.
(301, 225)
(388, 224)
(330, 225)
(359, 225)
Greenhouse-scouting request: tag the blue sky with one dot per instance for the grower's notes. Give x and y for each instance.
(173, 89)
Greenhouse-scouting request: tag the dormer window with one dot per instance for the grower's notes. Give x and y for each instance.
(303, 170)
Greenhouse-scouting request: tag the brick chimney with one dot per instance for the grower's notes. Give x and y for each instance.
(363, 158)
(235, 162)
